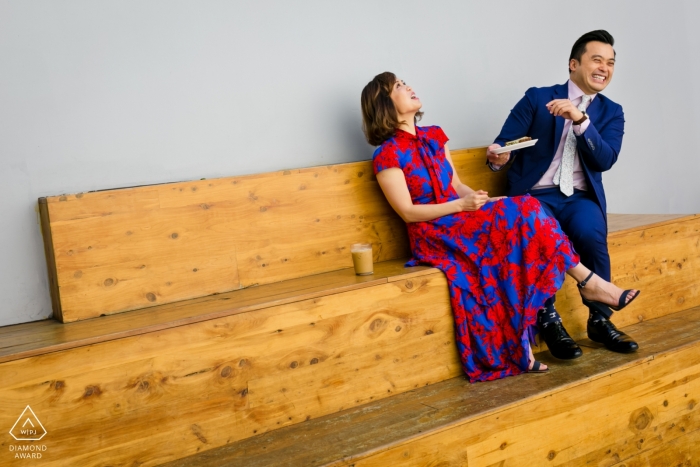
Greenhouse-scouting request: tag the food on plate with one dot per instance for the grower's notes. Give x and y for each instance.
(518, 141)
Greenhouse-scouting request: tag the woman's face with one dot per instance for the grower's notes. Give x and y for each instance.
(405, 100)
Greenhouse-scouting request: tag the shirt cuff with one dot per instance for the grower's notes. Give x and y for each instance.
(494, 167)
(581, 129)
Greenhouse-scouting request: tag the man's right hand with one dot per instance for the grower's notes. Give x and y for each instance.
(497, 160)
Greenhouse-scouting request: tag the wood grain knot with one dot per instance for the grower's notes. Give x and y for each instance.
(226, 371)
(109, 282)
(151, 297)
(92, 391)
(503, 445)
(293, 365)
(204, 206)
(551, 455)
(174, 235)
(640, 419)
(313, 361)
(377, 325)
(78, 274)
(665, 403)
(243, 362)
(360, 174)
(79, 195)
(244, 392)
(129, 232)
(263, 209)
(143, 386)
(195, 270)
(429, 332)
(59, 385)
(397, 328)
(691, 405)
(62, 198)
(409, 285)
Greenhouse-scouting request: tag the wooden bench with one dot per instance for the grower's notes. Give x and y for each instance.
(200, 314)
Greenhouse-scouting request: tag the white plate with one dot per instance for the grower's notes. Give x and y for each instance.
(513, 147)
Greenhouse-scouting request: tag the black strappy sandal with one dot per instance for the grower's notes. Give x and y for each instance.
(537, 368)
(602, 307)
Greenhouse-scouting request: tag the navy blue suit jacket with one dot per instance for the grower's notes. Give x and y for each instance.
(598, 146)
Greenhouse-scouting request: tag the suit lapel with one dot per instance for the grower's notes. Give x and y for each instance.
(560, 91)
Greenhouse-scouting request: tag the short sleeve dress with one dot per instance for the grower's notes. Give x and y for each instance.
(502, 262)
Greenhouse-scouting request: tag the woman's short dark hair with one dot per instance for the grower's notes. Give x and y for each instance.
(579, 47)
(379, 117)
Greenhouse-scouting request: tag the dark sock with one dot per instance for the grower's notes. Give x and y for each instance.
(547, 316)
(595, 316)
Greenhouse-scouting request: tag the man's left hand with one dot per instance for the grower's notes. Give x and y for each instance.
(564, 108)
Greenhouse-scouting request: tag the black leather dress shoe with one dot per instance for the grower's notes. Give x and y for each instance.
(560, 344)
(605, 332)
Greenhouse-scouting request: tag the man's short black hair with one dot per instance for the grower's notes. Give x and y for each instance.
(579, 47)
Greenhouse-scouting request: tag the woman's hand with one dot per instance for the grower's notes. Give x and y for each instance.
(474, 200)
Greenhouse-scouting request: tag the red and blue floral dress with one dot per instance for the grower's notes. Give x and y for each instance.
(502, 261)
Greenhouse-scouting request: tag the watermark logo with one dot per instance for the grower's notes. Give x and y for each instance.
(28, 427)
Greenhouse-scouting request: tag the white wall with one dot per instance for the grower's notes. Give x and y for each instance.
(104, 94)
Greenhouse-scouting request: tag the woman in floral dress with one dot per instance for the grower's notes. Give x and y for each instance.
(503, 257)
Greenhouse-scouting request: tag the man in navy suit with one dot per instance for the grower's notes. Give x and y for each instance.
(579, 133)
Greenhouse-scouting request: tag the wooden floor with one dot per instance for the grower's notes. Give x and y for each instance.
(417, 427)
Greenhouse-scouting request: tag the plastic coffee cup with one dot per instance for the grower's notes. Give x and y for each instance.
(362, 258)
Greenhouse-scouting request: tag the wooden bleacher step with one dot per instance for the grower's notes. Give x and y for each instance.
(603, 409)
(42, 337)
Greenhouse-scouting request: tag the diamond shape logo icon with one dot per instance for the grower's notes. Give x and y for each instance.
(28, 427)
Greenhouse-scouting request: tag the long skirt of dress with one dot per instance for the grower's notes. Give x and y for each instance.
(502, 262)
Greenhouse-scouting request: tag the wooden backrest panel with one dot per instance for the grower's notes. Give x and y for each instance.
(124, 249)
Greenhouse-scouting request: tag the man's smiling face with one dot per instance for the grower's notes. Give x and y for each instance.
(595, 71)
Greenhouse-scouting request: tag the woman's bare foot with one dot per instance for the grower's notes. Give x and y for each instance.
(531, 360)
(597, 289)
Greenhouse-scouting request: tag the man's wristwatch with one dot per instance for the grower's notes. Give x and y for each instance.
(582, 119)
